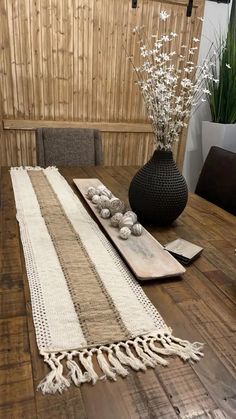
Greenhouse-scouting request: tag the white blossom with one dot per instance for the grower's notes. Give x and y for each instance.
(165, 38)
(158, 44)
(188, 69)
(164, 56)
(227, 65)
(169, 89)
(164, 15)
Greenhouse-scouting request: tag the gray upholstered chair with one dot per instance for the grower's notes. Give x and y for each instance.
(217, 181)
(68, 147)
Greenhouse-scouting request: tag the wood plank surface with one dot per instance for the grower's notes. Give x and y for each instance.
(23, 124)
(144, 255)
(199, 307)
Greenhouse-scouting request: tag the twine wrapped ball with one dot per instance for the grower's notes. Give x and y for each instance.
(126, 221)
(100, 189)
(133, 215)
(106, 192)
(137, 229)
(91, 192)
(116, 205)
(115, 219)
(105, 213)
(104, 201)
(124, 233)
(96, 199)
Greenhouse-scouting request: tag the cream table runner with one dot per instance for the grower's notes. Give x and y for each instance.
(85, 302)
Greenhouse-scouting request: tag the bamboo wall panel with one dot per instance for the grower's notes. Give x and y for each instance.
(64, 61)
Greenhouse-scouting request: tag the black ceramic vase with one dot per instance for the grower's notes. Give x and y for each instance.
(158, 192)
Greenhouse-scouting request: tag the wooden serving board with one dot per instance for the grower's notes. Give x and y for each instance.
(144, 255)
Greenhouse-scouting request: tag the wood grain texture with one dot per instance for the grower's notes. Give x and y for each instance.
(200, 306)
(27, 124)
(144, 255)
(64, 62)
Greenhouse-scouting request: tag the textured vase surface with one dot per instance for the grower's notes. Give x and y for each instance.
(158, 192)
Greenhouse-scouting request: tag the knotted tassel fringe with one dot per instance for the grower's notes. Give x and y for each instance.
(54, 381)
(105, 367)
(116, 364)
(138, 354)
(75, 373)
(85, 358)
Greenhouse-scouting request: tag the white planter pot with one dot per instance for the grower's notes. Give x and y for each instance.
(221, 135)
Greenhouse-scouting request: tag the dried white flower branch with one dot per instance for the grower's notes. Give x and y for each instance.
(170, 82)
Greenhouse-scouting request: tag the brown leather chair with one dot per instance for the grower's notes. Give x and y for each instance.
(68, 147)
(217, 181)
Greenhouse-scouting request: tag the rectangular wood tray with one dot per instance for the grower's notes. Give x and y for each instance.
(145, 256)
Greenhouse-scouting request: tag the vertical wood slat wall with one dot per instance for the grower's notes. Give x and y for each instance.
(64, 61)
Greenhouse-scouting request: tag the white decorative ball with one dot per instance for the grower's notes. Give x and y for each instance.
(124, 233)
(105, 201)
(100, 188)
(133, 215)
(105, 213)
(96, 199)
(91, 192)
(137, 229)
(116, 205)
(115, 219)
(107, 193)
(126, 221)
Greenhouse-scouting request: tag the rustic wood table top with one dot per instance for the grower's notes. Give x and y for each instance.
(200, 306)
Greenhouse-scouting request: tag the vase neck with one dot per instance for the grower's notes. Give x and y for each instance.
(162, 155)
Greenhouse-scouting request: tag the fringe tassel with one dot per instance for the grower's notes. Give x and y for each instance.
(86, 360)
(54, 381)
(116, 364)
(75, 373)
(126, 360)
(105, 367)
(22, 168)
(153, 355)
(138, 354)
(139, 364)
(146, 359)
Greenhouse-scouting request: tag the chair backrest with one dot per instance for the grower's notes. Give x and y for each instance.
(217, 181)
(68, 147)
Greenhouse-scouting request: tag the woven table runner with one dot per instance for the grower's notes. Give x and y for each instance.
(85, 301)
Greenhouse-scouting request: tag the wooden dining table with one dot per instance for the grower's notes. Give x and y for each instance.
(198, 306)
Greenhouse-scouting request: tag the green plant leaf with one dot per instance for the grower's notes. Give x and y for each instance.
(222, 99)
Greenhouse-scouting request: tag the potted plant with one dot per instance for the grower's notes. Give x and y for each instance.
(221, 131)
(171, 85)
